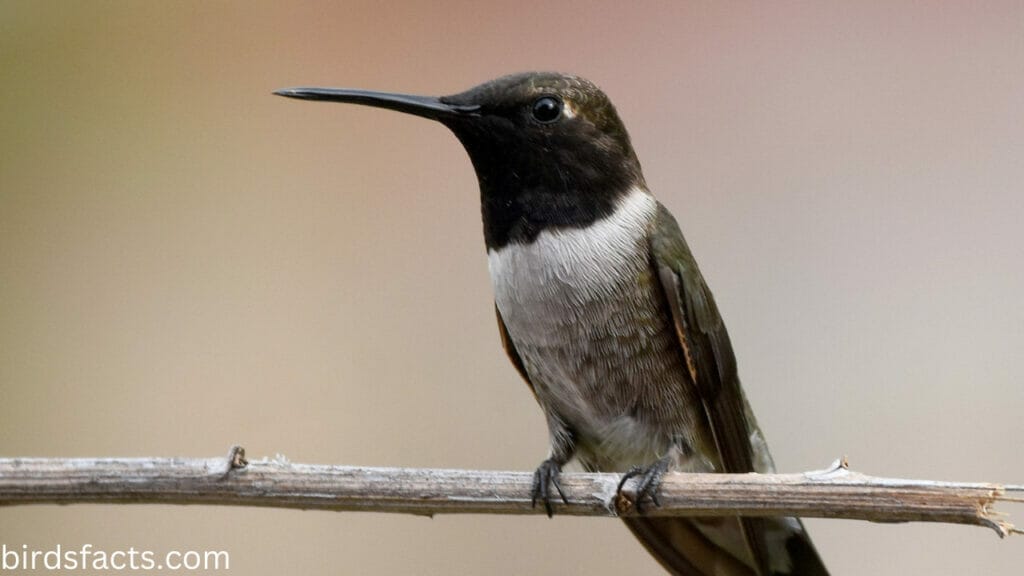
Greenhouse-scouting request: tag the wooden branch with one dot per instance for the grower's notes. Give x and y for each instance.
(833, 493)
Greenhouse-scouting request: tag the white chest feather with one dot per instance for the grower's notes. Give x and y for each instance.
(581, 264)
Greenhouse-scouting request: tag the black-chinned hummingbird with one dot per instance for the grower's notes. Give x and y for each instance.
(603, 311)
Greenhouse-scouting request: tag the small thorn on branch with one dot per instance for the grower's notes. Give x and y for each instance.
(236, 458)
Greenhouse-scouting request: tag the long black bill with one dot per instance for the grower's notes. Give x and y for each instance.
(425, 106)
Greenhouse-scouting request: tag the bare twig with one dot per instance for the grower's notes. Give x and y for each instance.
(833, 493)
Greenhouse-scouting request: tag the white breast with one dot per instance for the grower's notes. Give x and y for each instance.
(579, 263)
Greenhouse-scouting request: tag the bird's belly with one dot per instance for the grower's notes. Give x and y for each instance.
(598, 346)
(607, 370)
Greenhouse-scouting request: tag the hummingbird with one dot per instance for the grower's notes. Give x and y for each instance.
(604, 313)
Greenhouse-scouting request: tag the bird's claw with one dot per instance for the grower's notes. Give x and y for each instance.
(648, 485)
(544, 477)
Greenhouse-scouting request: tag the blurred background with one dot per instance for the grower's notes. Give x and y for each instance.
(187, 261)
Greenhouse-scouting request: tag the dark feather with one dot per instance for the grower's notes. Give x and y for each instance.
(709, 357)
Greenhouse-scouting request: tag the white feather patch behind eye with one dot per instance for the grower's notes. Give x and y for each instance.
(567, 110)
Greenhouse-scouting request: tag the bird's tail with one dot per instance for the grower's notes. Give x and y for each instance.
(716, 546)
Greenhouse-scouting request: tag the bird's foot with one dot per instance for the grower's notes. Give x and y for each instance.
(544, 477)
(650, 478)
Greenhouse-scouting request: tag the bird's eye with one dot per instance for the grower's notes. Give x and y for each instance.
(547, 109)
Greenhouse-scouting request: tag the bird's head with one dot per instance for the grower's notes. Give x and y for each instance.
(549, 149)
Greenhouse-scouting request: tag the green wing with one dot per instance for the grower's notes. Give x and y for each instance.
(709, 359)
